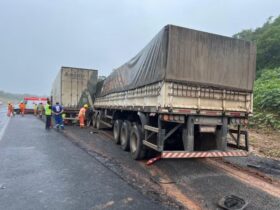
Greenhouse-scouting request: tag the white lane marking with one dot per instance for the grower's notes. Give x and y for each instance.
(2, 131)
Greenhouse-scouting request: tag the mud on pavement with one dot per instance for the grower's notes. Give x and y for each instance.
(138, 178)
(178, 184)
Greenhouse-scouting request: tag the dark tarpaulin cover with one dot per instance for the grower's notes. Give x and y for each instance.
(188, 56)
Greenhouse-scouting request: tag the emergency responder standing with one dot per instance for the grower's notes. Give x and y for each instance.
(82, 115)
(40, 109)
(10, 110)
(35, 109)
(48, 114)
(58, 110)
(89, 115)
(22, 108)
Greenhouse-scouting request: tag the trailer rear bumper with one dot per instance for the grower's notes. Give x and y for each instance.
(206, 154)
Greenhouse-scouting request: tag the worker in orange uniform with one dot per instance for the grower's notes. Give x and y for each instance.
(82, 115)
(10, 110)
(22, 108)
(35, 109)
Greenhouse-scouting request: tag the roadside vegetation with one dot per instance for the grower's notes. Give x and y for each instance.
(265, 123)
(11, 97)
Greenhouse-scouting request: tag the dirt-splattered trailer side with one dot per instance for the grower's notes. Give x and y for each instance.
(185, 92)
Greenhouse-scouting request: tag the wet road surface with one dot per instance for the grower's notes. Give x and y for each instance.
(41, 169)
(185, 180)
(3, 120)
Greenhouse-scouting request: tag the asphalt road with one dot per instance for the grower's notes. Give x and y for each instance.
(41, 169)
(200, 182)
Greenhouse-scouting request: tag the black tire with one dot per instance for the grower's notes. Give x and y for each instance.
(94, 120)
(98, 121)
(117, 131)
(137, 149)
(125, 135)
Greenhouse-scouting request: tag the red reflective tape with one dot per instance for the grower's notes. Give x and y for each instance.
(187, 155)
(198, 154)
(211, 113)
(174, 155)
(236, 114)
(151, 161)
(243, 153)
(184, 111)
(181, 155)
(202, 154)
(168, 154)
(192, 154)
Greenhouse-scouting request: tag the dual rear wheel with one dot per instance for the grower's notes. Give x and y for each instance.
(130, 137)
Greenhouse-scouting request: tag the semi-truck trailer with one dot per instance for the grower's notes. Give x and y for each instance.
(187, 94)
(69, 86)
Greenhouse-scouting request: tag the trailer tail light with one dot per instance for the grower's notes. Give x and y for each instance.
(173, 118)
(244, 121)
(235, 114)
(177, 118)
(165, 117)
(235, 121)
(239, 121)
(210, 113)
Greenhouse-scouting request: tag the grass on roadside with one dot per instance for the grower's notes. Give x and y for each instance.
(265, 142)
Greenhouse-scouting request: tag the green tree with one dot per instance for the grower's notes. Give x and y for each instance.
(267, 98)
(267, 39)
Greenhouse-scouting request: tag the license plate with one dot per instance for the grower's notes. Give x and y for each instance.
(207, 129)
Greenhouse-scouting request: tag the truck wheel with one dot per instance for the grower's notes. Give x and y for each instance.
(117, 131)
(137, 149)
(94, 119)
(125, 135)
(98, 122)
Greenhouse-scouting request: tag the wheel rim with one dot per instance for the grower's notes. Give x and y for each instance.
(133, 142)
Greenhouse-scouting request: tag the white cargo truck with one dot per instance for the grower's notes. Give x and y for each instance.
(69, 86)
(187, 94)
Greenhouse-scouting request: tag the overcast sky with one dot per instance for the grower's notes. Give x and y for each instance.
(37, 37)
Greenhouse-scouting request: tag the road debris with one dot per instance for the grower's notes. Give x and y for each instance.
(153, 160)
(232, 202)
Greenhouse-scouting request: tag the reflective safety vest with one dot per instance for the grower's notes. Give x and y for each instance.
(48, 110)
